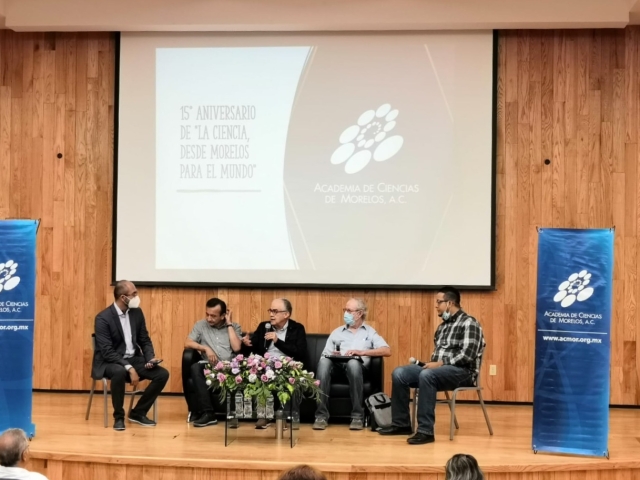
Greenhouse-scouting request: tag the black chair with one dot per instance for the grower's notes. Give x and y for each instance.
(339, 399)
(189, 357)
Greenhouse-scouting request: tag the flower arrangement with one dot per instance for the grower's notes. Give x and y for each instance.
(261, 377)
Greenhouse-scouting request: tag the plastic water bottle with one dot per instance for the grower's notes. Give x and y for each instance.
(248, 406)
(269, 410)
(261, 409)
(239, 405)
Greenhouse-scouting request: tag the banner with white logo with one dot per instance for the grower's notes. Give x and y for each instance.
(573, 341)
(17, 312)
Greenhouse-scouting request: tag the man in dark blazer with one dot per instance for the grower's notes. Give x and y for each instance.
(284, 337)
(124, 352)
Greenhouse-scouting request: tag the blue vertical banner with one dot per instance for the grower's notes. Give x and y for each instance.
(17, 312)
(573, 341)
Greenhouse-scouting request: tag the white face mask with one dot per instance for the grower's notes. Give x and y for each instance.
(134, 302)
(446, 314)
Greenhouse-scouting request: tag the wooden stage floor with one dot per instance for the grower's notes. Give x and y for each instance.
(68, 447)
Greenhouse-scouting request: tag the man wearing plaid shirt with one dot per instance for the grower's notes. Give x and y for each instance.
(459, 344)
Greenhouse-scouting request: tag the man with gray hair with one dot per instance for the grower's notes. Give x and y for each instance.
(353, 339)
(14, 455)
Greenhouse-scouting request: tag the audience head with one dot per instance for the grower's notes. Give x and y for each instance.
(280, 312)
(14, 448)
(447, 302)
(303, 472)
(126, 295)
(462, 467)
(216, 311)
(355, 311)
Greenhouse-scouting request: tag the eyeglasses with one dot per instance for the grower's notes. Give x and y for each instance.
(345, 310)
(271, 310)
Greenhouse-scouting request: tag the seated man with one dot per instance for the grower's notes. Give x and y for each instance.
(216, 337)
(124, 351)
(354, 338)
(285, 337)
(459, 344)
(14, 455)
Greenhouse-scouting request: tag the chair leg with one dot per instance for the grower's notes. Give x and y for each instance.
(484, 410)
(105, 394)
(133, 394)
(455, 419)
(414, 410)
(155, 411)
(93, 388)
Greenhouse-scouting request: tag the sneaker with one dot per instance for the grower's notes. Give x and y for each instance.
(356, 424)
(320, 424)
(141, 420)
(395, 431)
(420, 439)
(262, 423)
(119, 424)
(206, 419)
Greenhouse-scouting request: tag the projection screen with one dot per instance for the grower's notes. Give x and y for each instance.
(331, 159)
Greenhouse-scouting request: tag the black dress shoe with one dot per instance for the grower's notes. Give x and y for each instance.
(119, 424)
(395, 431)
(420, 439)
(205, 420)
(141, 420)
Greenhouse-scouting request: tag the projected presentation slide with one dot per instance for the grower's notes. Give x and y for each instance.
(348, 159)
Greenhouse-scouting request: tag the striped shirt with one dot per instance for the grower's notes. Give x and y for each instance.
(459, 341)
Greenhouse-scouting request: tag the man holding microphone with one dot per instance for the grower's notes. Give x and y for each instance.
(459, 345)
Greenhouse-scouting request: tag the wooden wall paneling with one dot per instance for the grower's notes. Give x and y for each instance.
(567, 96)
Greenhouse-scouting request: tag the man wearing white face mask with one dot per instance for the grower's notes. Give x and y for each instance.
(354, 338)
(459, 345)
(124, 350)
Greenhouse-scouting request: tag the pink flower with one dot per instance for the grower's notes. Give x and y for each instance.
(219, 366)
(207, 371)
(292, 380)
(267, 355)
(317, 383)
(253, 371)
(238, 379)
(221, 377)
(287, 359)
(263, 365)
(240, 357)
(264, 378)
(235, 371)
(278, 364)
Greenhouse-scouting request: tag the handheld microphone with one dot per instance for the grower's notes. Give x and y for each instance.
(415, 361)
(267, 327)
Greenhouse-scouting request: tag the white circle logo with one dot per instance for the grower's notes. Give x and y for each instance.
(574, 288)
(8, 279)
(369, 138)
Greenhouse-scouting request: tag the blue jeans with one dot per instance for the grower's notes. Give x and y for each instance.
(355, 374)
(430, 381)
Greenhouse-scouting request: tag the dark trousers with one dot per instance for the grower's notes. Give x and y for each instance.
(202, 392)
(119, 377)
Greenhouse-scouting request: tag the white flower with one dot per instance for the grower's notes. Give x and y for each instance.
(8, 280)
(252, 378)
(271, 373)
(369, 133)
(575, 288)
(208, 382)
